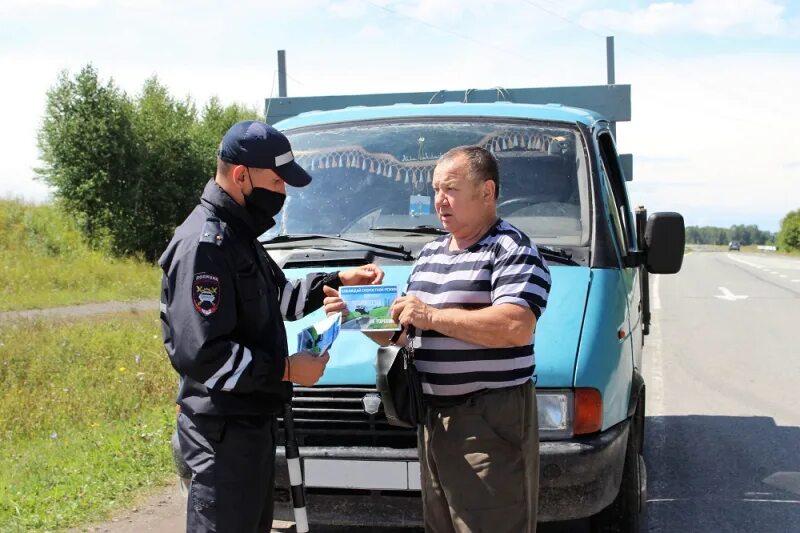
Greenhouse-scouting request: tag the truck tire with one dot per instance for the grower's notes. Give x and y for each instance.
(627, 512)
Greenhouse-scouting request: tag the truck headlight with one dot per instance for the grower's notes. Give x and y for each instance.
(555, 414)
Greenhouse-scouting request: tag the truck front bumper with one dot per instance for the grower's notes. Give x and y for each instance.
(577, 478)
(581, 476)
(354, 486)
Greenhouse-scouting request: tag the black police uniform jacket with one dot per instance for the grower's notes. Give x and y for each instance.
(223, 302)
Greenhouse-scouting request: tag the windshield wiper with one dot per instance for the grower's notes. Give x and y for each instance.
(297, 237)
(557, 255)
(424, 229)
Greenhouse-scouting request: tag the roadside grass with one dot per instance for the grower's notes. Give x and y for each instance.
(86, 413)
(753, 249)
(750, 248)
(46, 262)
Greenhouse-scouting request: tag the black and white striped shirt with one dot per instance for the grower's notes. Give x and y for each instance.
(503, 267)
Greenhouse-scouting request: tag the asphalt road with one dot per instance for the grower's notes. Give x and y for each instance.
(723, 415)
(722, 367)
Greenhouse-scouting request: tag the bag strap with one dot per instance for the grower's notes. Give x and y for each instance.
(396, 336)
(408, 352)
(399, 332)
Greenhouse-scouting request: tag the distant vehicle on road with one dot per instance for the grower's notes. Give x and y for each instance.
(734, 245)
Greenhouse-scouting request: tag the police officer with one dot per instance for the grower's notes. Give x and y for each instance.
(223, 302)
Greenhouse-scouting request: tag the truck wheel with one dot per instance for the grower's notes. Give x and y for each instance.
(626, 514)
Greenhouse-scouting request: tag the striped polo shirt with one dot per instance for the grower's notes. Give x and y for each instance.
(503, 267)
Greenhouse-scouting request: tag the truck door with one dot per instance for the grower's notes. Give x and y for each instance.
(623, 229)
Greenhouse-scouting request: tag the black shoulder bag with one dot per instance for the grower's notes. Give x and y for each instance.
(398, 382)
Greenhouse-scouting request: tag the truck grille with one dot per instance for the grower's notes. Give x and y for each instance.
(335, 416)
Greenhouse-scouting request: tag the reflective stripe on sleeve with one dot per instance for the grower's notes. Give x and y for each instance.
(224, 369)
(247, 358)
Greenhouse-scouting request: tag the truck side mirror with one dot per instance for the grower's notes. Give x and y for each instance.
(665, 238)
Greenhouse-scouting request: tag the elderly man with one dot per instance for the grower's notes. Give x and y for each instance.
(223, 302)
(474, 297)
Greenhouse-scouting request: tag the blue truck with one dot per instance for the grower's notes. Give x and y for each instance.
(563, 183)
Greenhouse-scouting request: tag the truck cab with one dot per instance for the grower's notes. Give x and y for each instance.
(564, 185)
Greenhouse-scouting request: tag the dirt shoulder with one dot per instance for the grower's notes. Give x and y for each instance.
(70, 311)
(162, 512)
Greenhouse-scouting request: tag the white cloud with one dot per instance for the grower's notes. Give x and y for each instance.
(34, 7)
(730, 138)
(12, 5)
(711, 136)
(348, 8)
(707, 17)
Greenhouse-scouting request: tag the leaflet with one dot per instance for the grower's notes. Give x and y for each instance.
(318, 338)
(368, 307)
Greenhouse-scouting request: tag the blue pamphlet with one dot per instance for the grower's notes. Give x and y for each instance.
(368, 307)
(318, 338)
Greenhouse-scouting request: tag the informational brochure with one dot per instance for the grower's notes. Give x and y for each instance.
(318, 338)
(368, 307)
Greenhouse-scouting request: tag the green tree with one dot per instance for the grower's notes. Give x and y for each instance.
(87, 146)
(129, 170)
(789, 234)
(215, 120)
(169, 175)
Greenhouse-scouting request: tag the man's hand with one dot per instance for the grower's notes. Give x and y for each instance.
(411, 310)
(333, 303)
(370, 274)
(305, 368)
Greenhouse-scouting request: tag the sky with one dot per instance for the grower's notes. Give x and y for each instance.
(714, 83)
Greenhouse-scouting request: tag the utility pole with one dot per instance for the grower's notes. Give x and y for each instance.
(610, 73)
(282, 73)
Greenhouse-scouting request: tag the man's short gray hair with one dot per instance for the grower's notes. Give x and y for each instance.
(481, 164)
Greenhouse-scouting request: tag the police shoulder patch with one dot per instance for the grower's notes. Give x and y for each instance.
(206, 293)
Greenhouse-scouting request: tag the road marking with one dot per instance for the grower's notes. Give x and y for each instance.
(748, 263)
(784, 276)
(756, 500)
(796, 281)
(655, 296)
(653, 361)
(772, 272)
(728, 295)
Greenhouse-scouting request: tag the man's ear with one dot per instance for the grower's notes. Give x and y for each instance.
(238, 174)
(488, 191)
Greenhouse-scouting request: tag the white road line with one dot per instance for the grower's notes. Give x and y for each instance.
(653, 361)
(784, 276)
(728, 295)
(654, 296)
(655, 391)
(796, 281)
(756, 500)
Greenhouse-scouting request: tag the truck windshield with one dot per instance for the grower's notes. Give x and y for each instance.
(375, 177)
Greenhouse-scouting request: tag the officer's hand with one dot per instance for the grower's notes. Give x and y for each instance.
(333, 303)
(370, 274)
(305, 368)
